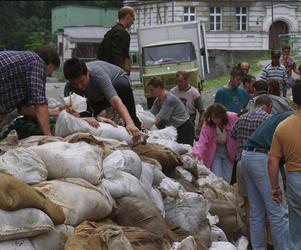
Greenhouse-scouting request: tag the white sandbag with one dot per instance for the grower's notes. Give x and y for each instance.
(124, 160)
(158, 177)
(168, 133)
(79, 199)
(72, 160)
(146, 118)
(53, 240)
(53, 103)
(157, 200)
(76, 102)
(222, 245)
(120, 184)
(186, 175)
(24, 164)
(173, 145)
(186, 244)
(22, 223)
(242, 243)
(18, 244)
(170, 187)
(217, 234)
(189, 211)
(147, 176)
(67, 124)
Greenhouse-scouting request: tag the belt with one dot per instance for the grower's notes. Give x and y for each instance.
(258, 150)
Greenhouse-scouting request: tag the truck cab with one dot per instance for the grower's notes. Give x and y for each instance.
(165, 49)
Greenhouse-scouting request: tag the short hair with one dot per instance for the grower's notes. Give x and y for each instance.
(155, 82)
(296, 91)
(74, 68)
(124, 11)
(246, 78)
(236, 72)
(286, 47)
(260, 86)
(263, 100)
(217, 110)
(49, 55)
(273, 87)
(182, 73)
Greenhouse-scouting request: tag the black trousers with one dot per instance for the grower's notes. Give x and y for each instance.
(124, 90)
(186, 133)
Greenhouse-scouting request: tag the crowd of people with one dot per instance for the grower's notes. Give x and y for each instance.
(249, 134)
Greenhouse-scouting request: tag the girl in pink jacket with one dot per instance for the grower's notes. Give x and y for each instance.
(216, 147)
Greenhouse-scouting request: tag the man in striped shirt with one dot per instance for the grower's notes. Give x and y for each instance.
(22, 83)
(277, 71)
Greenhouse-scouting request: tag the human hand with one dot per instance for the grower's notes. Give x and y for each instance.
(277, 195)
(134, 131)
(92, 121)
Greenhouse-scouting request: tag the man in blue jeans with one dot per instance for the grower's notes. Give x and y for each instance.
(255, 172)
(287, 143)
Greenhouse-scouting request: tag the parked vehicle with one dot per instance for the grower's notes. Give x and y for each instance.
(167, 48)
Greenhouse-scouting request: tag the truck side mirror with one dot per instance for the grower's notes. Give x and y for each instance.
(203, 51)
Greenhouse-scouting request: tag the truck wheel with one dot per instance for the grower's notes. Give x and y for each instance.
(150, 101)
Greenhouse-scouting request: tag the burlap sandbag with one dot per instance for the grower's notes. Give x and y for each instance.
(96, 236)
(230, 220)
(135, 212)
(167, 158)
(16, 195)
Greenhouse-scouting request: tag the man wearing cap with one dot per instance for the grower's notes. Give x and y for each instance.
(277, 71)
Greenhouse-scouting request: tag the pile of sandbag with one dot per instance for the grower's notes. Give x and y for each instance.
(93, 191)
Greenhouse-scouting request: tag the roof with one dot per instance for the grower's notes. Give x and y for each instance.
(167, 42)
(85, 33)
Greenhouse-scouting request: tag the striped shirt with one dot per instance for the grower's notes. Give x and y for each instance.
(22, 80)
(246, 125)
(274, 72)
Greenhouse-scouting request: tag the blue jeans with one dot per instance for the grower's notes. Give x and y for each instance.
(255, 171)
(294, 206)
(222, 166)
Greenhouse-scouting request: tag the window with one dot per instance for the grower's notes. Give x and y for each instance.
(215, 18)
(189, 14)
(241, 18)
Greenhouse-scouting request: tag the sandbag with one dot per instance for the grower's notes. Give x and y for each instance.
(16, 195)
(222, 245)
(24, 164)
(157, 200)
(90, 235)
(120, 184)
(167, 158)
(67, 124)
(142, 239)
(189, 211)
(186, 244)
(79, 199)
(172, 145)
(147, 176)
(54, 239)
(158, 177)
(17, 244)
(217, 234)
(132, 211)
(22, 223)
(230, 220)
(72, 160)
(146, 118)
(170, 187)
(168, 133)
(124, 160)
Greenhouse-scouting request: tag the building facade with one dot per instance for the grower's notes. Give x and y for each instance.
(80, 29)
(233, 27)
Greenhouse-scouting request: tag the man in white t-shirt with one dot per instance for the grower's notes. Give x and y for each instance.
(189, 95)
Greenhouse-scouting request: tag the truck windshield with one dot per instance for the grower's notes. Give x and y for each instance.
(169, 53)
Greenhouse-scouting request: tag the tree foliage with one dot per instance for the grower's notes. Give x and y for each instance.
(27, 24)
